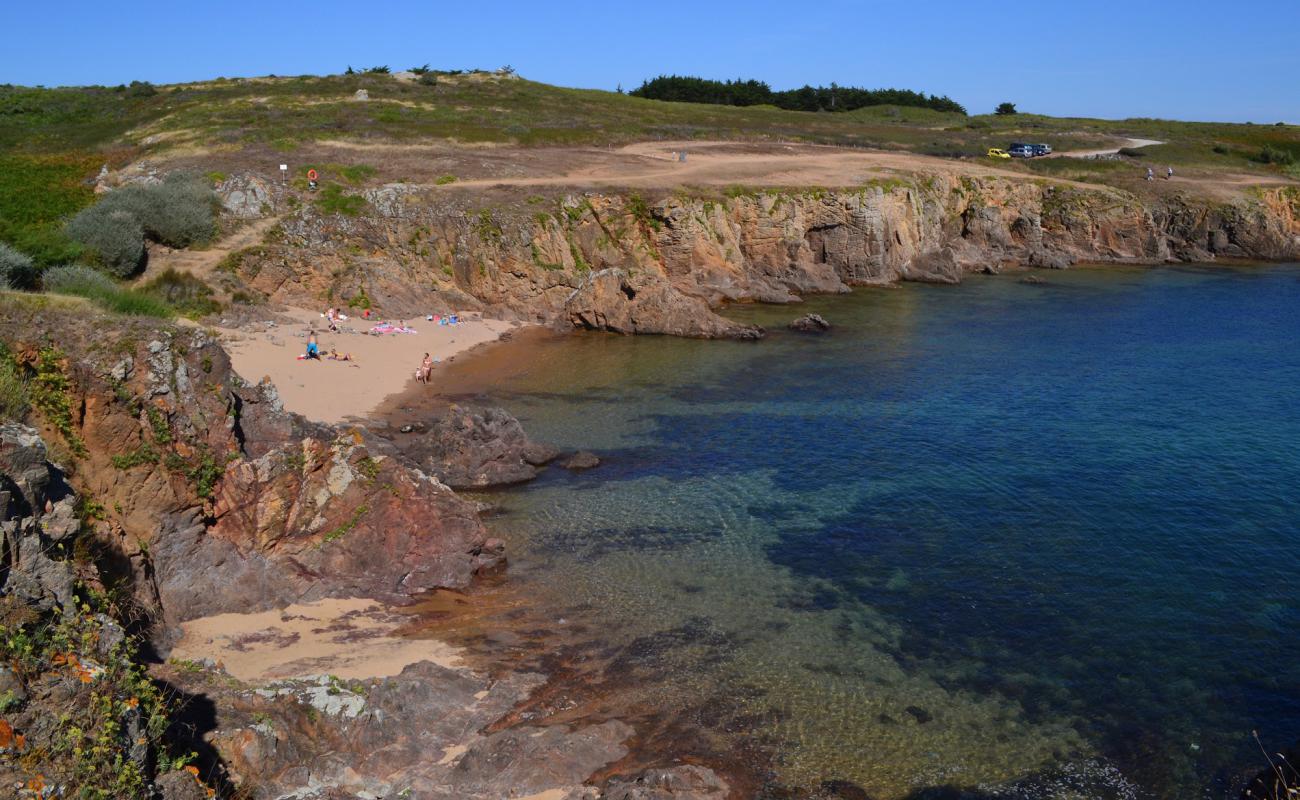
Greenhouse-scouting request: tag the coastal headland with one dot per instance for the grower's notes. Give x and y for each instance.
(263, 526)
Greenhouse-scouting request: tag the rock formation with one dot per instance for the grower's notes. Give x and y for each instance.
(478, 449)
(206, 482)
(625, 264)
(810, 323)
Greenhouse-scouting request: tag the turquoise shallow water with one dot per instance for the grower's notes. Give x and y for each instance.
(1039, 540)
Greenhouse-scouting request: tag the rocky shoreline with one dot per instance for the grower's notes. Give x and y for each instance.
(184, 493)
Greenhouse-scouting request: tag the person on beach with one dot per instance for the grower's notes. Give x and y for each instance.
(335, 355)
(425, 370)
(313, 347)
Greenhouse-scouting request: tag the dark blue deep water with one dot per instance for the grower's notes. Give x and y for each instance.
(1039, 539)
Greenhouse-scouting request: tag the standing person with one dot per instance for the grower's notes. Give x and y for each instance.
(1169, 173)
(1151, 174)
(313, 347)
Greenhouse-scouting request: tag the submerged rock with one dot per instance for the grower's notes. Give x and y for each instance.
(810, 323)
(688, 782)
(582, 460)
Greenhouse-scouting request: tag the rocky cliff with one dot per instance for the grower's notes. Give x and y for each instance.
(200, 483)
(625, 263)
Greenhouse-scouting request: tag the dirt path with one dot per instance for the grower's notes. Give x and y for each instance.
(1129, 144)
(201, 263)
(658, 165)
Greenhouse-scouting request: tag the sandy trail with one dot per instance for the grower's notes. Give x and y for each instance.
(1130, 144)
(201, 263)
(655, 165)
(336, 391)
(348, 638)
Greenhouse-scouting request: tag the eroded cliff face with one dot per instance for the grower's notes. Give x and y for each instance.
(211, 497)
(625, 263)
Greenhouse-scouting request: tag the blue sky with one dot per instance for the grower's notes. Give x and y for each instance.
(1181, 59)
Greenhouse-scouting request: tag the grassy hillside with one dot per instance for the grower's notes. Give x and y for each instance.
(52, 141)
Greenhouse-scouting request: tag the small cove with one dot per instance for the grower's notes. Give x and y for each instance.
(1035, 539)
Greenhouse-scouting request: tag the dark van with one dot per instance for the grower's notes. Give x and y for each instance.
(1041, 149)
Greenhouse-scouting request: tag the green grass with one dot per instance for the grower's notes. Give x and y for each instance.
(36, 193)
(332, 200)
(104, 292)
(183, 293)
(14, 400)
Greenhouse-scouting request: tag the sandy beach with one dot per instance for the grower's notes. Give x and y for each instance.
(380, 365)
(348, 638)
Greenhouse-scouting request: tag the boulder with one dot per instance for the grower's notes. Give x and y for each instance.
(810, 323)
(245, 196)
(621, 302)
(477, 449)
(32, 494)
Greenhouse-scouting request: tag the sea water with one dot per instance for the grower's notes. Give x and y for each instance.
(1027, 539)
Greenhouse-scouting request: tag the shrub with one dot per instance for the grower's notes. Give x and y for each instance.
(1220, 149)
(115, 238)
(428, 79)
(141, 89)
(1275, 155)
(1005, 109)
(14, 401)
(76, 280)
(443, 180)
(420, 70)
(179, 212)
(381, 70)
(16, 269)
(183, 292)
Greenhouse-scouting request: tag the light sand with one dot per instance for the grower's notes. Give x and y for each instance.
(348, 638)
(335, 391)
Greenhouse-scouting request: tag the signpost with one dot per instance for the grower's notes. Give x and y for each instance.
(284, 173)
(311, 179)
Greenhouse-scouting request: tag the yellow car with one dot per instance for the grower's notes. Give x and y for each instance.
(996, 153)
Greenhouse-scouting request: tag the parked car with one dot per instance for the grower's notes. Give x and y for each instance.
(1041, 149)
(1021, 150)
(996, 153)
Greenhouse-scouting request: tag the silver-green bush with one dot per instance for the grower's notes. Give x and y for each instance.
(115, 238)
(75, 279)
(16, 269)
(179, 212)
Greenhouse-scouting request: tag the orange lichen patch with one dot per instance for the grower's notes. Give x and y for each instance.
(6, 735)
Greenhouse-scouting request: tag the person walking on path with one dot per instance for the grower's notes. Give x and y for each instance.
(1151, 174)
(1169, 174)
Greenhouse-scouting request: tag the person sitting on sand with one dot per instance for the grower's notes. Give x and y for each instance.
(313, 347)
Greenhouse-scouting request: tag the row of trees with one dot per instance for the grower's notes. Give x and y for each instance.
(685, 89)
